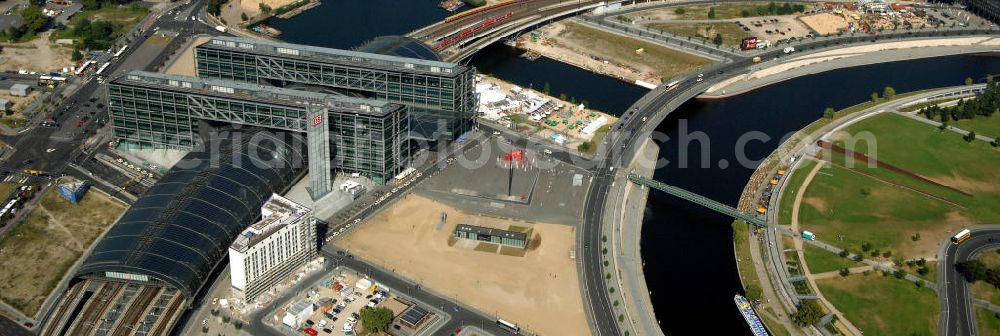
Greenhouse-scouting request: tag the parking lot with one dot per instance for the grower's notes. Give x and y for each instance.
(332, 306)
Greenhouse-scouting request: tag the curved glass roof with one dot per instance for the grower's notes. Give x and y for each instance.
(181, 228)
(401, 46)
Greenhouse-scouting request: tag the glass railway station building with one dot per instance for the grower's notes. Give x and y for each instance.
(441, 95)
(348, 134)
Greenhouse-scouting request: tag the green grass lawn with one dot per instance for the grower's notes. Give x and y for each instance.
(667, 62)
(862, 208)
(821, 260)
(793, 184)
(835, 208)
(988, 321)
(982, 289)
(126, 16)
(881, 305)
(732, 35)
(988, 126)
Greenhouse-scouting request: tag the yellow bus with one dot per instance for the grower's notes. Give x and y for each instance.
(961, 236)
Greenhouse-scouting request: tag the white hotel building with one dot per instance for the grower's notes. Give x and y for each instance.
(269, 250)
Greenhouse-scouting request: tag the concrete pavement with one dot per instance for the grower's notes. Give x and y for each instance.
(624, 214)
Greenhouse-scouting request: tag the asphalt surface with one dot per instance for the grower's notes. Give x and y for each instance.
(957, 314)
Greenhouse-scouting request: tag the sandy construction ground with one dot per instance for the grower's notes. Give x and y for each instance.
(610, 54)
(539, 291)
(232, 10)
(825, 23)
(39, 55)
(786, 27)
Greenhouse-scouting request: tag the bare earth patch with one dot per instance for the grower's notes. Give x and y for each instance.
(525, 291)
(825, 23)
(36, 254)
(815, 202)
(39, 55)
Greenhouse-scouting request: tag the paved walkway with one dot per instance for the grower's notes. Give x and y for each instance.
(802, 259)
(935, 123)
(625, 233)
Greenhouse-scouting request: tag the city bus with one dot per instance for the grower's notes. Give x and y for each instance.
(120, 52)
(50, 81)
(101, 69)
(508, 326)
(83, 67)
(671, 85)
(961, 236)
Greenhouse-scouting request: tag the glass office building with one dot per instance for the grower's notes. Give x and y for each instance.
(441, 95)
(362, 135)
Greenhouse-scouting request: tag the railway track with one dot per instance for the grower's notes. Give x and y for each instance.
(165, 318)
(98, 304)
(135, 310)
(66, 304)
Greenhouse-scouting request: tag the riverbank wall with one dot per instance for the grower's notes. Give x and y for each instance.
(828, 59)
(624, 216)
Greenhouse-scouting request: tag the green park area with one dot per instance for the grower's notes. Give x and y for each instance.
(883, 305)
(36, 253)
(96, 29)
(821, 261)
(895, 212)
(792, 186)
(988, 126)
(988, 321)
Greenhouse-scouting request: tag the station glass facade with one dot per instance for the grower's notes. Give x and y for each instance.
(441, 96)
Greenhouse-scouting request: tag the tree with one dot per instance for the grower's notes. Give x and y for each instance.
(745, 13)
(829, 113)
(844, 272)
(33, 19)
(717, 40)
(376, 319)
(562, 96)
(866, 246)
(808, 313)
(264, 8)
(711, 12)
(923, 270)
(546, 88)
(915, 237)
(942, 126)
(244, 17)
(77, 55)
(874, 97)
(584, 147)
(680, 11)
(866, 192)
(889, 93)
(90, 4)
(970, 136)
(968, 80)
(844, 253)
(899, 274)
(973, 270)
(989, 79)
(887, 254)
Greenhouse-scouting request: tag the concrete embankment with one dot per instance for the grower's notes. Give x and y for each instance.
(772, 72)
(625, 208)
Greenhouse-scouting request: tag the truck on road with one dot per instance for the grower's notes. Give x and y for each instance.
(221, 28)
(808, 235)
(789, 50)
(756, 59)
